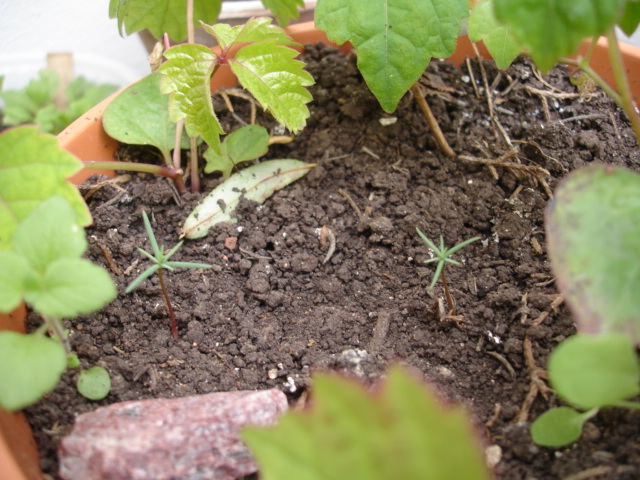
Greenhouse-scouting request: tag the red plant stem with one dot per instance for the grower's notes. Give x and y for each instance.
(172, 173)
(432, 122)
(174, 328)
(190, 31)
(452, 307)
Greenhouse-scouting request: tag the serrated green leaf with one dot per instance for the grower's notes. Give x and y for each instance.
(550, 29)
(589, 371)
(498, 39)
(140, 115)
(284, 10)
(593, 227)
(246, 143)
(70, 287)
(256, 183)
(30, 366)
(558, 426)
(160, 16)
(402, 432)
(394, 39)
(34, 168)
(13, 271)
(48, 234)
(254, 30)
(94, 383)
(630, 17)
(186, 77)
(270, 72)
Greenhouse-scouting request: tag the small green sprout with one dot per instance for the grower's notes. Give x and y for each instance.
(442, 256)
(161, 262)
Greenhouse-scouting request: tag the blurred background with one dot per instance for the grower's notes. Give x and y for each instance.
(33, 28)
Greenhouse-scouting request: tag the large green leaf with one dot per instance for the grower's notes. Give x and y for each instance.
(550, 29)
(14, 269)
(284, 10)
(630, 17)
(403, 432)
(256, 183)
(33, 168)
(30, 366)
(593, 227)
(590, 371)
(186, 76)
(394, 39)
(140, 115)
(498, 39)
(160, 16)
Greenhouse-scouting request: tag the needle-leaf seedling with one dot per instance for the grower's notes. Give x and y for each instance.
(442, 255)
(161, 262)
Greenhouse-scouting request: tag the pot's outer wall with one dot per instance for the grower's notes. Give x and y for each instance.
(86, 139)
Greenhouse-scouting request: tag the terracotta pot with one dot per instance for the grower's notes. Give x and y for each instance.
(86, 139)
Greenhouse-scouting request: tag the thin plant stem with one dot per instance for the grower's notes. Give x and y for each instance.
(168, 172)
(193, 163)
(190, 31)
(432, 122)
(55, 325)
(617, 66)
(174, 328)
(627, 404)
(177, 143)
(452, 307)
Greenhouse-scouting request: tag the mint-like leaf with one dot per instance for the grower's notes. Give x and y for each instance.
(30, 366)
(34, 169)
(394, 39)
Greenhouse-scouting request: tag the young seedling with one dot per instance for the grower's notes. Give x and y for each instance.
(442, 256)
(161, 262)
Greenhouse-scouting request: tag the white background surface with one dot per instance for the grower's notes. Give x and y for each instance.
(32, 28)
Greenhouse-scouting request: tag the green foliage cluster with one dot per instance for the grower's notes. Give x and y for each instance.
(592, 227)
(41, 264)
(402, 430)
(34, 103)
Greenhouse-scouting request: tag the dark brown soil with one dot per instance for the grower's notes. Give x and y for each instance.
(271, 311)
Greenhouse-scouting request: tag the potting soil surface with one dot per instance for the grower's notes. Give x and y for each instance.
(278, 305)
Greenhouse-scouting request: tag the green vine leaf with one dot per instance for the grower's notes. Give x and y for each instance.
(160, 16)
(265, 65)
(256, 183)
(550, 29)
(394, 39)
(498, 38)
(34, 168)
(402, 432)
(284, 10)
(94, 383)
(186, 76)
(559, 426)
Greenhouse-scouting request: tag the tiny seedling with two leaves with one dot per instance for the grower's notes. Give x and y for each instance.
(161, 262)
(443, 256)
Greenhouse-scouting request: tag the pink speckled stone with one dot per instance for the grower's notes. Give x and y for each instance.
(191, 438)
